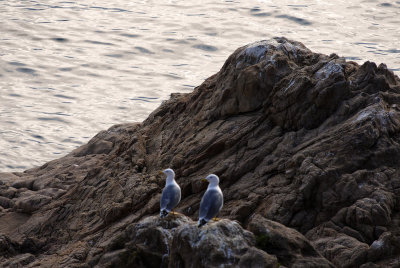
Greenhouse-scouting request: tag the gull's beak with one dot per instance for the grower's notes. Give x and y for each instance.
(204, 180)
(160, 172)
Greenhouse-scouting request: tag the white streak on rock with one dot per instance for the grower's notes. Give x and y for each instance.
(363, 115)
(328, 70)
(257, 50)
(292, 82)
(377, 244)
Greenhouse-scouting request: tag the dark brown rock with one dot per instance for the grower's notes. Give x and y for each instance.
(20, 261)
(289, 246)
(298, 138)
(254, 258)
(215, 244)
(176, 241)
(7, 246)
(341, 249)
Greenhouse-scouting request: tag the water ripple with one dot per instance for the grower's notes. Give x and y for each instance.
(144, 99)
(59, 39)
(205, 47)
(144, 50)
(57, 119)
(26, 70)
(16, 63)
(130, 35)
(295, 19)
(99, 43)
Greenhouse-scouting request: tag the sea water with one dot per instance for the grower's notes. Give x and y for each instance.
(69, 69)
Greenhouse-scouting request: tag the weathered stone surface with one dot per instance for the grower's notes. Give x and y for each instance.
(20, 261)
(290, 246)
(7, 246)
(298, 138)
(214, 245)
(254, 258)
(176, 241)
(144, 244)
(341, 249)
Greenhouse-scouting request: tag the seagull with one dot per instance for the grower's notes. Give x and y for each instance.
(171, 194)
(212, 201)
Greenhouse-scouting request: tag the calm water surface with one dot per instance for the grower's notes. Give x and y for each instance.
(69, 69)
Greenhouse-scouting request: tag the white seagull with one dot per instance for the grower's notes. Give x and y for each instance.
(212, 201)
(171, 195)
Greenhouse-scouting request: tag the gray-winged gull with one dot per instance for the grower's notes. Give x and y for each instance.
(171, 195)
(212, 200)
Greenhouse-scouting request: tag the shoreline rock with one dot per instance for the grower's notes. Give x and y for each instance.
(306, 145)
(177, 242)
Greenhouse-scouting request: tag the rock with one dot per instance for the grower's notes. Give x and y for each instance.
(176, 241)
(254, 258)
(21, 260)
(143, 244)
(341, 249)
(304, 144)
(30, 202)
(387, 245)
(6, 203)
(290, 246)
(7, 246)
(215, 244)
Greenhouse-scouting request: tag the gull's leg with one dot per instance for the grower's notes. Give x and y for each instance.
(175, 213)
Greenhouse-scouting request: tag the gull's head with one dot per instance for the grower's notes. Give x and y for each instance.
(169, 172)
(212, 179)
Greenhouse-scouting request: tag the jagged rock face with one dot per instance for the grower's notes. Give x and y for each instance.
(176, 241)
(224, 243)
(291, 247)
(305, 140)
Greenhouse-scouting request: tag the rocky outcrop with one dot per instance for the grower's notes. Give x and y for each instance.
(177, 242)
(306, 147)
(290, 246)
